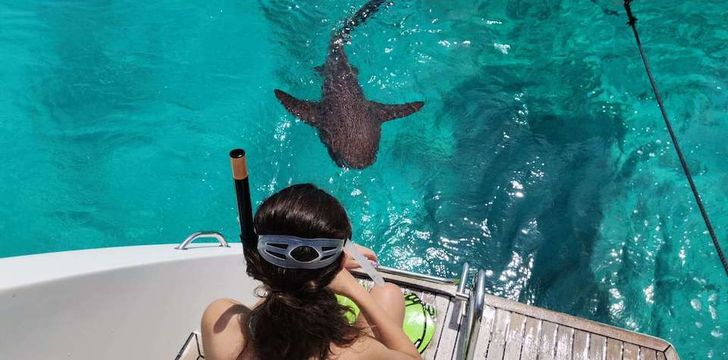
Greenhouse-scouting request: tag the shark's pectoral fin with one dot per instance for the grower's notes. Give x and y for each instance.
(385, 112)
(307, 111)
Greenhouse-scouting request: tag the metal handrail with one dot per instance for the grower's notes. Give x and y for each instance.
(201, 235)
(478, 305)
(470, 326)
(463, 281)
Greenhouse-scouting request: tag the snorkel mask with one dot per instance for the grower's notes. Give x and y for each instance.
(278, 249)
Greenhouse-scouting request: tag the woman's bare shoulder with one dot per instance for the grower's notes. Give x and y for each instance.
(219, 306)
(222, 329)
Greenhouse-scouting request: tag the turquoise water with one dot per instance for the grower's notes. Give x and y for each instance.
(539, 156)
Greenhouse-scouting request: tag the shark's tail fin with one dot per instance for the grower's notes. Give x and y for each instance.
(360, 17)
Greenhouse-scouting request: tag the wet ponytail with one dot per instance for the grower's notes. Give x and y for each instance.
(299, 318)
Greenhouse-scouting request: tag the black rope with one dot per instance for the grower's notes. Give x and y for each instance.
(633, 24)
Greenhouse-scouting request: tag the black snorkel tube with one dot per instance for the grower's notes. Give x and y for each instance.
(245, 207)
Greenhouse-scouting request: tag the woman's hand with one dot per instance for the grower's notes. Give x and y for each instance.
(345, 284)
(350, 263)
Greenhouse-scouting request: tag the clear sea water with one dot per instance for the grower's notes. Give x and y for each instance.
(540, 155)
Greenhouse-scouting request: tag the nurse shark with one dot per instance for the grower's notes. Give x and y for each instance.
(348, 124)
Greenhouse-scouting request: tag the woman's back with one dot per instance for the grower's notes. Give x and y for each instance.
(223, 333)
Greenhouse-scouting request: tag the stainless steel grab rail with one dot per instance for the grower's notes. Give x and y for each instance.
(463, 281)
(201, 235)
(470, 325)
(478, 306)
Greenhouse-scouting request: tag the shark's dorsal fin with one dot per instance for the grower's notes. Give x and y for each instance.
(384, 112)
(307, 111)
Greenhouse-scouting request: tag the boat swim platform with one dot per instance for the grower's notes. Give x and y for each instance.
(506, 329)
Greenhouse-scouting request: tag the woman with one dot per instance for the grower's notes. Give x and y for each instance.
(301, 264)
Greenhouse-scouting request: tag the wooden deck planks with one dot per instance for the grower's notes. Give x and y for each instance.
(449, 337)
(520, 337)
(581, 345)
(547, 341)
(497, 345)
(671, 354)
(441, 304)
(564, 341)
(506, 333)
(648, 354)
(577, 323)
(630, 352)
(597, 347)
(514, 337)
(529, 350)
(485, 333)
(614, 349)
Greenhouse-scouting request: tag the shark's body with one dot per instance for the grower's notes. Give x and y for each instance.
(348, 124)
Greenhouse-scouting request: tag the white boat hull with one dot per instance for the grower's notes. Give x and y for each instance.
(136, 302)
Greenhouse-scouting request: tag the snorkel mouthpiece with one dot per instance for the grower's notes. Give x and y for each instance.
(277, 249)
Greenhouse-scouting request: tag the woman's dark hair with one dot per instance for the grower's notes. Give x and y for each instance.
(299, 317)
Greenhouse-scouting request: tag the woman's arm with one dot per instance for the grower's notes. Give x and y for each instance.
(388, 332)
